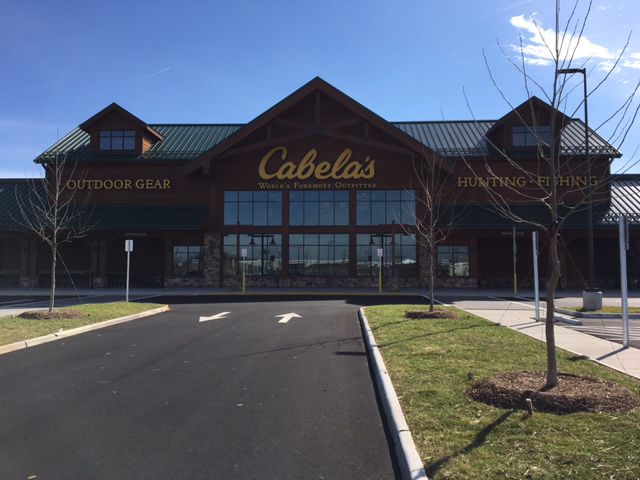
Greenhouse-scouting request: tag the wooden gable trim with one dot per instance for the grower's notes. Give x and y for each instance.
(319, 86)
(533, 101)
(114, 107)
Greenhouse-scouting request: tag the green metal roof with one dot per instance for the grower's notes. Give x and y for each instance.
(625, 198)
(467, 137)
(181, 142)
(449, 138)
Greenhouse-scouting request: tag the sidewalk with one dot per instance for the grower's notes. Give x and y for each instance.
(520, 317)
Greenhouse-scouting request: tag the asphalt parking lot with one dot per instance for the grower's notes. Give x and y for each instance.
(246, 394)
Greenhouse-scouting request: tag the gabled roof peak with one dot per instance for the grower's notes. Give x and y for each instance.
(114, 107)
(515, 112)
(316, 84)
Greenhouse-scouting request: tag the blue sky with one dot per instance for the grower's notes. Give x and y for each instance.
(228, 61)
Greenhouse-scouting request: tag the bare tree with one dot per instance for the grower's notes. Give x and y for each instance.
(545, 183)
(436, 212)
(53, 211)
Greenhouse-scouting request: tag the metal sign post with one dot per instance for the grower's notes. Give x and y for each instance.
(128, 247)
(623, 230)
(243, 254)
(380, 254)
(536, 285)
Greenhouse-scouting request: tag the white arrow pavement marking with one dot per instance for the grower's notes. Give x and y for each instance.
(217, 316)
(287, 316)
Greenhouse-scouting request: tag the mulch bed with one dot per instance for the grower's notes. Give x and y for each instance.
(427, 314)
(55, 315)
(572, 394)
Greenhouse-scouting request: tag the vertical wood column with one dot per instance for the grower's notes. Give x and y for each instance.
(473, 258)
(285, 234)
(24, 280)
(168, 258)
(353, 238)
(33, 262)
(98, 262)
(562, 255)
(93, 262)
(102, 260)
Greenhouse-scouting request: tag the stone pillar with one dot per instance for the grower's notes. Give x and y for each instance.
(212, 259)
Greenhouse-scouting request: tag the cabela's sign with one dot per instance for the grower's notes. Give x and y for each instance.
(343, 168)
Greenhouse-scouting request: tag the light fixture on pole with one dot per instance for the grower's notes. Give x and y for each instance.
(591, 297)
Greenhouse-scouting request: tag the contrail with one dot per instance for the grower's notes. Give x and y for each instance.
(156, 73)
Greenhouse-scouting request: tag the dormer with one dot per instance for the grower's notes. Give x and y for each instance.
(526, 127)
(115, 131)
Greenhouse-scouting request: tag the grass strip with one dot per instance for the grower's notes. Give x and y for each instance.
(13, 329)
(431, 362)
(605, 310)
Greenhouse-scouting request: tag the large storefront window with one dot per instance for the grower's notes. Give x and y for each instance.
(264, 254)
(315, 207)
(319, 254)
(384, 207)
(187, 260)
(230, 264)
(453, 260)
(253, 208)
(399, 254)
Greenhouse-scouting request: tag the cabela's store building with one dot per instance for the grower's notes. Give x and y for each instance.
(310, 193)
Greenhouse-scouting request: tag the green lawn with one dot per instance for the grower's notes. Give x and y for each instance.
(15, 329)
(605, 310)
(429, 362)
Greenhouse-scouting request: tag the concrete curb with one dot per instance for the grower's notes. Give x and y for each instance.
(574, 313)
(411, 466)
(32, 342)
(569, 321)
(337, 293)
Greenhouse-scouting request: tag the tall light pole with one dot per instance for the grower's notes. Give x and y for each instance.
(592, 300)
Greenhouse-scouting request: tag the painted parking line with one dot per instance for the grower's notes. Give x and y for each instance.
(217, 316)
(285, 317)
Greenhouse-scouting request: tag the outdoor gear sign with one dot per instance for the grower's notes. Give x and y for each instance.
(120, 184)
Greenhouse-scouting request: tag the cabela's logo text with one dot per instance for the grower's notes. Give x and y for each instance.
(343, 168)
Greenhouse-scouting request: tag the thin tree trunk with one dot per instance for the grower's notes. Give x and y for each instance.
(554, 277)
(52, 293)
(431, 281)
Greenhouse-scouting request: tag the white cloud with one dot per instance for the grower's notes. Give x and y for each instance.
(632, 61)
(538, 47)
